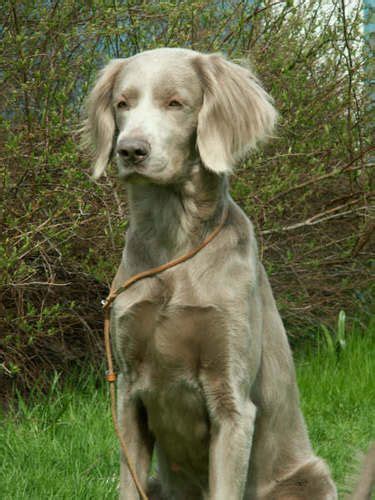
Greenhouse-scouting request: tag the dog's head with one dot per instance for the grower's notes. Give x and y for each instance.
(162, 110)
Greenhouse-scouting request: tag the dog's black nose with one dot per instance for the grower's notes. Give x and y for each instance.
(133, 149)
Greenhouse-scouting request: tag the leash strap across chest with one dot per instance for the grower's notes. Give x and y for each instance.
(110, 374)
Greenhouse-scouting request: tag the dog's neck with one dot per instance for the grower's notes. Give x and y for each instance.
(168, 221)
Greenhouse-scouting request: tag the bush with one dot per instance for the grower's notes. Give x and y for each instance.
(308, 191)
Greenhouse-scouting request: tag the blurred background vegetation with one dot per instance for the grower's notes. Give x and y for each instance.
(308, 192)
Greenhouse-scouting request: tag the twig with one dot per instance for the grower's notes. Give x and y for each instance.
(334, 172)
(312, 221)
(32, 283)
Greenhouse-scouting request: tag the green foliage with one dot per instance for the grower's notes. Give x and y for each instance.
(308, 192)
(335, 341)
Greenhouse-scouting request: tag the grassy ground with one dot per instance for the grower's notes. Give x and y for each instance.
(338, 401)
(62, 446)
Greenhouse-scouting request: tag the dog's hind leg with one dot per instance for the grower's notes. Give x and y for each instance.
(311, 481)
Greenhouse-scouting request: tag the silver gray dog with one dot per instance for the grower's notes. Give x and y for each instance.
(207, 376)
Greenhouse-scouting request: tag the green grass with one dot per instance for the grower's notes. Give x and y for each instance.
(338, 401)
(62, 446)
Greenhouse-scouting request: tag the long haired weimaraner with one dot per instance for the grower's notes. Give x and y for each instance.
(206, 373)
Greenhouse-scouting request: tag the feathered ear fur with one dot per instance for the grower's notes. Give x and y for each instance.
(99, 126)
(235, 115)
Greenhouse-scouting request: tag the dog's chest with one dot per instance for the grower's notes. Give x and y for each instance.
(165, 339)
(165, 333)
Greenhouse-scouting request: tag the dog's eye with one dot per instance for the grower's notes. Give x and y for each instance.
(174, 103)
(122, 105)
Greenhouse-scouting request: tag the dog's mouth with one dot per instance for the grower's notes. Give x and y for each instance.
(140, 172)
(127, 167)
(135, 178)
(132, 172)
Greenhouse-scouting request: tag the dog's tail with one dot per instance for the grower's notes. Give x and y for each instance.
(365, 483)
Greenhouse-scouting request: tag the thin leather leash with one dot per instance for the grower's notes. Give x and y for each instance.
(111, 374)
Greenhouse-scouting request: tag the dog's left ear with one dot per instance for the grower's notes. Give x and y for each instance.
(236, 112)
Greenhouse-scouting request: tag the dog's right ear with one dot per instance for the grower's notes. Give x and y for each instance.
(99, 124)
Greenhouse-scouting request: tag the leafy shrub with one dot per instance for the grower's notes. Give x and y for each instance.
(308, 191)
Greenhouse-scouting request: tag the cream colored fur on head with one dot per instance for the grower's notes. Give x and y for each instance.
(99, 126)
(235, 113)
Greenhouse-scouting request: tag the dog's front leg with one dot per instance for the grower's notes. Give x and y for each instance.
(132, 420)
(231, 439)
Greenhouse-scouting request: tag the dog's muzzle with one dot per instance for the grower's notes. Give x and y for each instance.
(133, 150)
